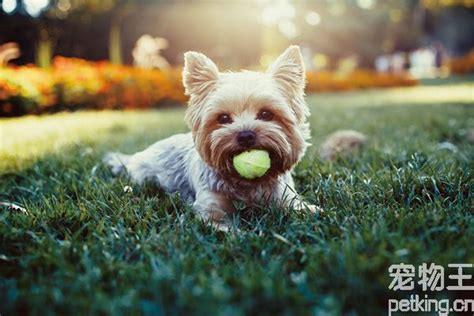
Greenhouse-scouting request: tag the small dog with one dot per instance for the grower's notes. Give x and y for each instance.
(229, 113)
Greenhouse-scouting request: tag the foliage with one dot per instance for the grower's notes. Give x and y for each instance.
(109, 86)
(349, 29)
(462, 65)
(26, 89)
(358, 79)
(437, 4)
(76, 84)
(86, 247)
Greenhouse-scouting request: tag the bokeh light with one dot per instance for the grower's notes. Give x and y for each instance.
(8, 6)
(35, 7)
(277, 11)
(366, 4)
(312, 18)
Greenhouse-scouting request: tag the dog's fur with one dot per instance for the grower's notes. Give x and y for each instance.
(198, 165)
(342, 143)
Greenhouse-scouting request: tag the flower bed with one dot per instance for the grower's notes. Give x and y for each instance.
(462, 65)
(78, 84)
(358, 79)
(23, 89)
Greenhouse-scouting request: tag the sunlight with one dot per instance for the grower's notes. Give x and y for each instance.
(35, 7)
(312, 18)
(9, 6)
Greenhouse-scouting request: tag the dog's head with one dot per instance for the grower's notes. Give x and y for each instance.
(229, 113)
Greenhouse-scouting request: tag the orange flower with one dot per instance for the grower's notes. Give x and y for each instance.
(77, 83)
(358, 79)
(462, 65)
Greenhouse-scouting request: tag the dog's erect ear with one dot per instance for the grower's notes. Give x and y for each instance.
(288, 71)
(199, 73)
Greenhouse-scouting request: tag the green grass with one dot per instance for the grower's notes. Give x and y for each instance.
(85, 246)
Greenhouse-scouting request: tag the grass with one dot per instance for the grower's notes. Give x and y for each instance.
(86, 247)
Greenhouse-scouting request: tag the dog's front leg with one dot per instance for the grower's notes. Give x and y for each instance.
(214, 208)
(299, 205)
(288, 197)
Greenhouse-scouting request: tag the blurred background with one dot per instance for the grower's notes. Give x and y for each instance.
(390, 85)
(99, 54)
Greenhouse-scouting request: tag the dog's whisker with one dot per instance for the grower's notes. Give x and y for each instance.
(230, 113)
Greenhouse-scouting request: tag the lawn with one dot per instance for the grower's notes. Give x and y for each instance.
(83, 246)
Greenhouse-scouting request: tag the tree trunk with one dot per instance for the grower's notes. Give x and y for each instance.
(115, 48)
(44, 50)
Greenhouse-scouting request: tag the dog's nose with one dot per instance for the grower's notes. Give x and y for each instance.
(246, 138)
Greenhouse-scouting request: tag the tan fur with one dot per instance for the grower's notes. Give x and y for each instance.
(242, 96)
(342, 143)
(199, 165)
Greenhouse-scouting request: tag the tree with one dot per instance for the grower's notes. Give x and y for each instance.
(49, 20)
(346, 28)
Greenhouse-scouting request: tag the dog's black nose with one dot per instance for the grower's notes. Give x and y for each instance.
(246, 138)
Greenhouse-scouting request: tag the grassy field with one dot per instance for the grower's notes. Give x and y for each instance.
(85, 246)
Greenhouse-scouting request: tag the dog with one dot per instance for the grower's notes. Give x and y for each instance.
(228, 113)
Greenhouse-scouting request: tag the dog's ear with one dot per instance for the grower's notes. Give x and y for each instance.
(288, 70)
(199, 73)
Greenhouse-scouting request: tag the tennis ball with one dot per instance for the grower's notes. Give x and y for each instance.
(252, 164)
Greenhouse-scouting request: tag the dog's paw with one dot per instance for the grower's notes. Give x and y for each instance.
(301, 206)
(314, 209)
(116, 162)
(225, 227)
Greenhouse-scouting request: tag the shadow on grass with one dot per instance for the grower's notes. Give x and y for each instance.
(456, 79)
(88, 247)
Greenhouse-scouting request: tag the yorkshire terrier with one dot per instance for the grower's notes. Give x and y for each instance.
(229, 113)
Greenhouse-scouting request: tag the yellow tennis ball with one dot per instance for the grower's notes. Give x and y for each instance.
(252, 164)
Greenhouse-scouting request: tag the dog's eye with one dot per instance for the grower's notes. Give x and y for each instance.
(265, 115)
(224, 119)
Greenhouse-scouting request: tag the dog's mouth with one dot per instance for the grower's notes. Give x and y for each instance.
(274, 170)
(242, 150)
